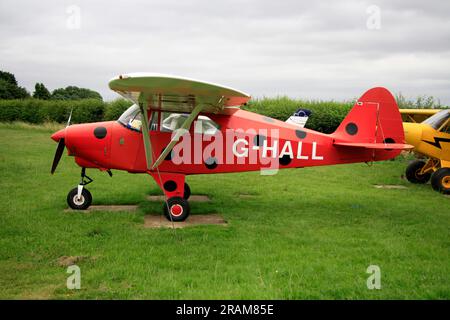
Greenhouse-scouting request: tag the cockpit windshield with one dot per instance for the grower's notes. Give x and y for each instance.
(131, 118)
(437, 120)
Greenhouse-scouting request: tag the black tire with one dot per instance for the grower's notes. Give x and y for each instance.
(412, 172)
(83, 203)
(176, 209)
(440, 180)
(187, 191)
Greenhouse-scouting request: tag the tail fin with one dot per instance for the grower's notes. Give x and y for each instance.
(373, 123)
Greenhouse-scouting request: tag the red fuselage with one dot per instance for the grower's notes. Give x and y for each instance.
(222, 139)
(112, 145)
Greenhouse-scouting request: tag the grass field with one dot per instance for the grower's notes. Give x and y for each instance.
(304, 234)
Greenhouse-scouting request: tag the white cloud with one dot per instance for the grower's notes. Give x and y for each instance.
(317, 50)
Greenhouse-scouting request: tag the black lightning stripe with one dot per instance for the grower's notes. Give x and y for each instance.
(437, 142)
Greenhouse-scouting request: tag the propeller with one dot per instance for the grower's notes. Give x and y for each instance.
(59, 152)
(70, 118)
(60, 148)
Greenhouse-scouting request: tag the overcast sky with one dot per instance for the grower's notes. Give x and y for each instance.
(314, 50)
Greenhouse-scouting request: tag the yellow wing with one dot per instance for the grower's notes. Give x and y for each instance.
(417, 115)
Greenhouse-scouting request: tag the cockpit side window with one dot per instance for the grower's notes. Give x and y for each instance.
(172, 121)
(202, 125)
(131, 118)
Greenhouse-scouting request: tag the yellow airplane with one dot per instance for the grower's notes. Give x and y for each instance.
(430, 138)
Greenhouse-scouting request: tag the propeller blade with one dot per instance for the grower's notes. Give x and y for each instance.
(70, 118)
(58, 154)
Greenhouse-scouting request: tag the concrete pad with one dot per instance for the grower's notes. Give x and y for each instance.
(193, 198)
(390, 186)
(160, 221)
(107, 208)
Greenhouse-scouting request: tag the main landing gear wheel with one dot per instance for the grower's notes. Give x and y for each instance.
(440, 180)
(187, 191)
(413, 172)
(176, 209)
(79, 203)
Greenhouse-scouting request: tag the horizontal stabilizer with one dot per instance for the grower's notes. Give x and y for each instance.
(386, 146)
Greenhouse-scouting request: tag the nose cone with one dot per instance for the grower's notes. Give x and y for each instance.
(90, 141)
(413, 133)
(58, 135)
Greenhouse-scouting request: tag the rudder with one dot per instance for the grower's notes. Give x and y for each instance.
(375, 118)
(374, 121)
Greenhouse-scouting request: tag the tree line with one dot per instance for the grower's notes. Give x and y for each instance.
(88, 106)
(10, 89)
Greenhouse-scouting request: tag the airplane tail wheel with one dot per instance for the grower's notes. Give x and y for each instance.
(440, 180)
(81, 203)
(176, 209)
(187, 191)
(413, 172)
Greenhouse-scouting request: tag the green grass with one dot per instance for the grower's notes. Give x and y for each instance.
(306, 233)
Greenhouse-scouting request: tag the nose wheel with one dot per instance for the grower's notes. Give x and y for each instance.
(80, 198)
(79, 202)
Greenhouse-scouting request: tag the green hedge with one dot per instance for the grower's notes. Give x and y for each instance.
(326, 115)
(39, 111)
(115, 108)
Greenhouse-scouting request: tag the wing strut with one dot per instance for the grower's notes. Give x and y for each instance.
(179, 132)
(146, 136)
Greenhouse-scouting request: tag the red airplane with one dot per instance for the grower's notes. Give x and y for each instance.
(195, 127)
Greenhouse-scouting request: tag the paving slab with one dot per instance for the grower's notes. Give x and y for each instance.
(107, 208)
(160, 221)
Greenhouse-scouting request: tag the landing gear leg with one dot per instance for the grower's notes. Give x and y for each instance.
(80, 198)
(176, 207)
